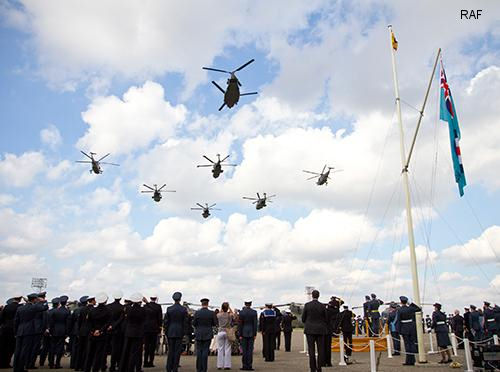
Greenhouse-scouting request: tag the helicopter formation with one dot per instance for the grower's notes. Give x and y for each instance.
(231, 97)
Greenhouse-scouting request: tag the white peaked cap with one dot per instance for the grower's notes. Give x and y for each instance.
(117, 294)
(136, 297)
(101, 298)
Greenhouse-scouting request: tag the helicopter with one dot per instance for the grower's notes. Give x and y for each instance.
(323, 177)
(232, 94)
(260, 202)
(156, 191)
(206, 209)
(96, 164)
(216, 166)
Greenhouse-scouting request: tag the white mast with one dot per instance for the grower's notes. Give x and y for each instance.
(422, 355)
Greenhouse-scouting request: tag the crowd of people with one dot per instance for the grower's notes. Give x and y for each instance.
(111, 335)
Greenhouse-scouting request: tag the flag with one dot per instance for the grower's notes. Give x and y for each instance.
(448, 113)
(394, 41)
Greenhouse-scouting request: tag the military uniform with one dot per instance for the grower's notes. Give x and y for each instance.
(490, 326)
(134, 334)
(247, 329)
(396, 338)
(279, 316)
(40, 323)
(345, 322)
(267, 326)
(152, 327)
(115, 336)
(83, 336)
(204, 321)
(74, 333)
(58, 328)
(174, 326)
(440, 327)
(7, 335)
(374, 314)
(406, 326)
(287, 330)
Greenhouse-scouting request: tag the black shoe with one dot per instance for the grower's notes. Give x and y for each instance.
(449, 361)
(408, 364)
(396, 353)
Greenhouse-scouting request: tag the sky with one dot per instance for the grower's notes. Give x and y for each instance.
(125, 77)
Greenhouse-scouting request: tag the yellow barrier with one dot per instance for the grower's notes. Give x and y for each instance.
(361, 344)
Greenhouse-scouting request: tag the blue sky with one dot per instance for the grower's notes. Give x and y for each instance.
(325, 97)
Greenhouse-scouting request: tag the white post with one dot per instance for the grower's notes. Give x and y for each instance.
(495, 339)
(432, 344)
(373, 361)
(468, 356)
(454, 344)
(422, 356)
(389, 346)
(342, 354)
(305, 346)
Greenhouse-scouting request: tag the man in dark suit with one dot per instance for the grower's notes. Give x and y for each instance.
(347, 327)
(99, 318)
(286, 324)
(457, 326)
(406, 326)
(7, 335)
(332, 319)
(58, 328)
(135, 316)
(366, 316)
(152, 327)
(115, 331)
(175, 326)
(267, 326)
(315, 328)
(247, 329)
(203, 322)
(468, 331)
(24, 328)
(84, 332)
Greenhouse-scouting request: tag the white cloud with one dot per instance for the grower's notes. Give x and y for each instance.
(50, 136)
(23, 231)
(59, 170)
(483, 249)
(423, 255)
(7, 199)
(124, 125)
(20, 171)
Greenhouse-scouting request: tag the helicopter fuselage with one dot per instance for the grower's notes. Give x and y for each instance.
(205, 213)
(156, 196)
(323, 179)
(96, 168)
(217, 170)
(232, 95)
(261, 203)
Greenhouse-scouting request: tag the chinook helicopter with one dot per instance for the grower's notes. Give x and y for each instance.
(216, 166)
(96, 164)
(260, 202)
(156, 191)
(322, 177)
(232, 93)
(206, 209)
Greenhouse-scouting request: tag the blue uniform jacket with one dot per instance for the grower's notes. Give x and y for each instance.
(203, 322)
(175, 321)
(247, 326)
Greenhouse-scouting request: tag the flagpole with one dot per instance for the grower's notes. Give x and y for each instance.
(422, 355)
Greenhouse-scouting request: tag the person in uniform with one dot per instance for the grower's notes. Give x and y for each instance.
(135, 316)
(315, 328)
(152, 327)
(174, 327)
(366, 316)
(391, 319)
(99, 319)
(40, 324)
(115, 330)
(443, 339)
(26, 332)
(347, 328)
(84, 333)
(468, 330)
(203, 322)
(247, 329)
(457, 327)
(58, 329)
(496, 312)
(475, 324)
(286, 323)
(7, 335)
(490, 326)
(374, 304)
(406, 326)
(75, 331)
(279, 317)
(267, 327)
(332, 321)
(46, 349)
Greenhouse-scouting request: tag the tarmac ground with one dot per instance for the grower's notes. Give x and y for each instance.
(296, 360)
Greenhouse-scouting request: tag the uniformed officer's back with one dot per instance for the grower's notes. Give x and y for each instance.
(203, 321)
(248, 321)
(175, 320)
(135, 320)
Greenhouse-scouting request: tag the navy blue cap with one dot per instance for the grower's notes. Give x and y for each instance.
(177, 296)
(403, 299)
(64, 298)
(56, 300)
(42, 294)
(32, 296)
(10, 300)
(204, 300)
(84, 299)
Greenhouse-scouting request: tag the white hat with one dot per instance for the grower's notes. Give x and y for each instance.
(117, 294)
(101, 298)
(136, 297)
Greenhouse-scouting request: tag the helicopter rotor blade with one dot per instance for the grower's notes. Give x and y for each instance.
(168, 191)
(258, 196)
(229, 165)
(103, 162)
(88, 156)
(317, 174)
(271, 196)
(225, 158)
(239, 84)
(245, 65)
(310, 178)
(215, 69)
(104, 157)
(201, 206)
(213, 205)
(83, 161)
(337, 170)
(248, 94)
(162, 187)
(197, 209)
(146, 191)
(208, 159)
(215, 209)
(219, 87)
(224, 104)
(149, 187)
(247, 198)
(204, 165)
(323, 171)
